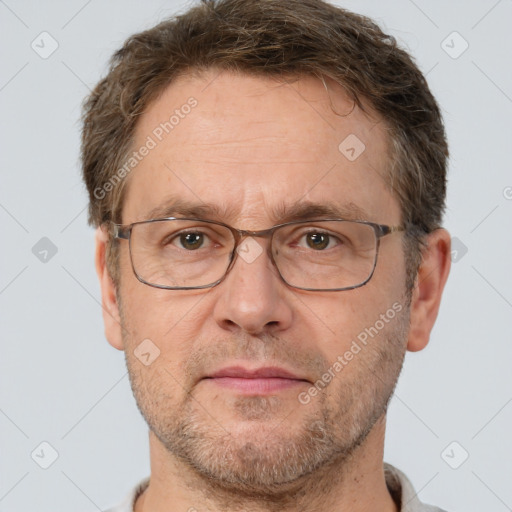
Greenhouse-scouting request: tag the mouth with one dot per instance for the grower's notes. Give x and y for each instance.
(260, 381)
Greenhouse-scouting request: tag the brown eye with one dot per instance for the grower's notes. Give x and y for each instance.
(191, 241)
(317, 241)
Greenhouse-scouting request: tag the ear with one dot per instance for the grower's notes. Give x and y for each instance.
(111, 316)
(426, 297)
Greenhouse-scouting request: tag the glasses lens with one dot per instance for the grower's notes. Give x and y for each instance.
(180, 253)
(325, 255)
(317, 255)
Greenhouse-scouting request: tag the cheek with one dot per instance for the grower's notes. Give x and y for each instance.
(171, 320)
(360, 314)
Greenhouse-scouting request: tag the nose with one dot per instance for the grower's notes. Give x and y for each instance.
(252, 297)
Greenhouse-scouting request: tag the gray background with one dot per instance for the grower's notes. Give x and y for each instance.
(60, 382)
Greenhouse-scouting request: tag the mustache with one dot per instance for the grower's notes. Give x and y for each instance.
(261, 350)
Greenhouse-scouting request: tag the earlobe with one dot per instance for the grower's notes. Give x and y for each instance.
(111, 316)
(431, 279)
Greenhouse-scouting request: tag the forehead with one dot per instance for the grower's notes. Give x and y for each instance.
(250, 146)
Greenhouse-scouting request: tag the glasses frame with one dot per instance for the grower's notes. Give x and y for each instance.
(124, 232)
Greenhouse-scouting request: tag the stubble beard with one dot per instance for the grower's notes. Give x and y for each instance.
(272, 458)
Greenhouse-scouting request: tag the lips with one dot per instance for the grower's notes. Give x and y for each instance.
(256, 381)
(260, 373)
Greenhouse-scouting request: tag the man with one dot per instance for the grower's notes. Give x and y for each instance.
(267, 179)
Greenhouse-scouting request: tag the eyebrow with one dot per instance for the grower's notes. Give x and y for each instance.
(283, 212)
(176, 206)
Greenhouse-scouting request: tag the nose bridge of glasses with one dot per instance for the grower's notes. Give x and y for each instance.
(248, 249)
(241, 236)
(261, 233)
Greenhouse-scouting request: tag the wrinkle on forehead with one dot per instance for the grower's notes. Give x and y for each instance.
(252, 143)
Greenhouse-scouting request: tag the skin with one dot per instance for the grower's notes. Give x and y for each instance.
(253, 144)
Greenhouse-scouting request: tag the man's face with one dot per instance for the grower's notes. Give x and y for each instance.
(253, 147)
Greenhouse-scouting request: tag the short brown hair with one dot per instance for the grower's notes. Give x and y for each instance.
(275, 38)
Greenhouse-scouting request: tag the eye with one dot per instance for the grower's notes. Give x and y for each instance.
(190, 240)
(319, 241)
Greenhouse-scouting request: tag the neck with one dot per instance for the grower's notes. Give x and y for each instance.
(354, 484)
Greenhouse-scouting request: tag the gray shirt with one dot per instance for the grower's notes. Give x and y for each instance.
(398, 484)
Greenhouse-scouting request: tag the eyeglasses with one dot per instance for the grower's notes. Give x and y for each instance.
(316, 255)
